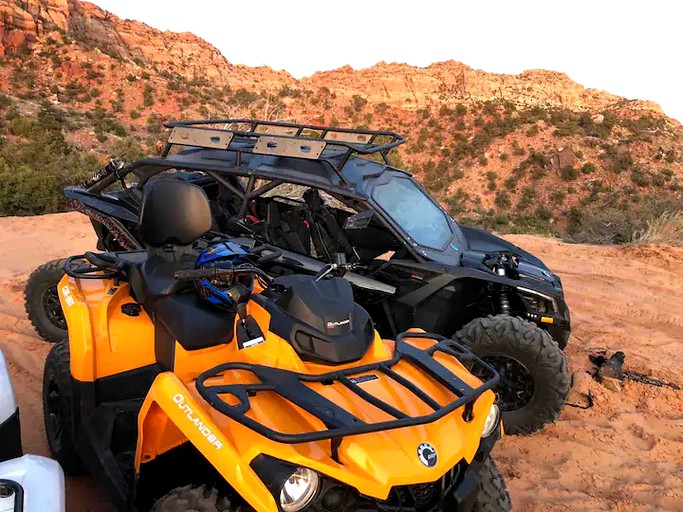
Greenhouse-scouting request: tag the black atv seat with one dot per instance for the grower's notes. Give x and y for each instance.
(174, 306)
(176, 310)
(194, 325)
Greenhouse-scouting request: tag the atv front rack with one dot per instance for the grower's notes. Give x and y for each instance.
(309, 142)
(339, 422)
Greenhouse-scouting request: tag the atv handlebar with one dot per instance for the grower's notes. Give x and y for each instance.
(220, 274)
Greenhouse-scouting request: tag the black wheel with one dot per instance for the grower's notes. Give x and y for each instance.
(534, 379)
(492, 495)
(193, 499)
(41, 300)
(58, 409)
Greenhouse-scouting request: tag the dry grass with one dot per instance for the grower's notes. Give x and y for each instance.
(665, 229)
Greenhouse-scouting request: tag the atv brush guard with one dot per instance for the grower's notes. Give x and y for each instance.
(340, 423)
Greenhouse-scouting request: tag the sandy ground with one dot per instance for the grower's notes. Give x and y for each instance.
(624, 454)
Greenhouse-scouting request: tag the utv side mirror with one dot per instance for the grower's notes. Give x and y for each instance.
(360, 220)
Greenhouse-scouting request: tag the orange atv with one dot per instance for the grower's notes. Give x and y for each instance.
(199, 384)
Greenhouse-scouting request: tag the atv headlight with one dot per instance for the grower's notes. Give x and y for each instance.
(491, 421)
(299, 489)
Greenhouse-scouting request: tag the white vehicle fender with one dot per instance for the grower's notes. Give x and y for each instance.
(41, 483)
(8, 404)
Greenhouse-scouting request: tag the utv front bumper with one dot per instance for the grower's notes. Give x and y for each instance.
(456, 491)
(31, 484)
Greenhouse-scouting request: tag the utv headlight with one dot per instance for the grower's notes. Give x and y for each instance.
(299, 489)
(491, 421)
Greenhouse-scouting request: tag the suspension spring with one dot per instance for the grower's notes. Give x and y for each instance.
(504, 303)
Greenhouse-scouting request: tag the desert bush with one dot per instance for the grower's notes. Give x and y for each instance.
(148, 95)
(511, 183)
(517, 149)
(503, 199)
(667, 228)
(640, 177)
(652, 218)
(533, 131)
(588, 168)
(557, 197)
(569, 173)
(34, 170)
(358, 102)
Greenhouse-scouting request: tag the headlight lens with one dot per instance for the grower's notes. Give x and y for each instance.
(299, 489)
(491, 421)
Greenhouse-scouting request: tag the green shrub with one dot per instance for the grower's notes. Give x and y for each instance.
(528, 197)
(127, 149)
(148, 95)
(557, 197)
(25, 191)
(639, 177)
(511, 183)
(517, 149)
(533, 131)
(568, 173)
(503, 199)
(33, 171)
(588, 168)
(358, 102)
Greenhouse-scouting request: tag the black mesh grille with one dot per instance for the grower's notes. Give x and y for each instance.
(420, 497)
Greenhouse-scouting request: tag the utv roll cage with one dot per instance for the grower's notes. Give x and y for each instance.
(224, 149)
(309, 142)
(338, 422)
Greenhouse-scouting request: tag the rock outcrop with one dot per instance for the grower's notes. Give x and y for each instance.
(22, 23)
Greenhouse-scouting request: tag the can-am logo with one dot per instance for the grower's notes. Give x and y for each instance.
(68, 298)
(203, 429)
(427, 455)
(332, 325)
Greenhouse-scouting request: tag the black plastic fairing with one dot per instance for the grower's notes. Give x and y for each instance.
(320, 319)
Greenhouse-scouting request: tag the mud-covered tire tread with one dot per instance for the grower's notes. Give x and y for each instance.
(194, 499)
(493, 495)
(514, 336)
(58, 363)
(47, 274)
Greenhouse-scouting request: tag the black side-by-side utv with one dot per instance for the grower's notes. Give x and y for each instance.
(318, 191)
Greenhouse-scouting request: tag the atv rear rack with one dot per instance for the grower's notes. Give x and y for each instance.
(309, 142)
(341, 423)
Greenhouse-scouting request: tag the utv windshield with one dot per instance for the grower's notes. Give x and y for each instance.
(414, 211)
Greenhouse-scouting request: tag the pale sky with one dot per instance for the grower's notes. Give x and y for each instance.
(633, 49)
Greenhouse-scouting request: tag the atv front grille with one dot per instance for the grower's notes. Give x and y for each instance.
(421, 497)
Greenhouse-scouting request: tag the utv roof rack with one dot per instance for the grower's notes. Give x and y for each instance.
(328, 144)
(340, 423)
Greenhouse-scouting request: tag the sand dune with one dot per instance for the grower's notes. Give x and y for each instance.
(623, 454)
